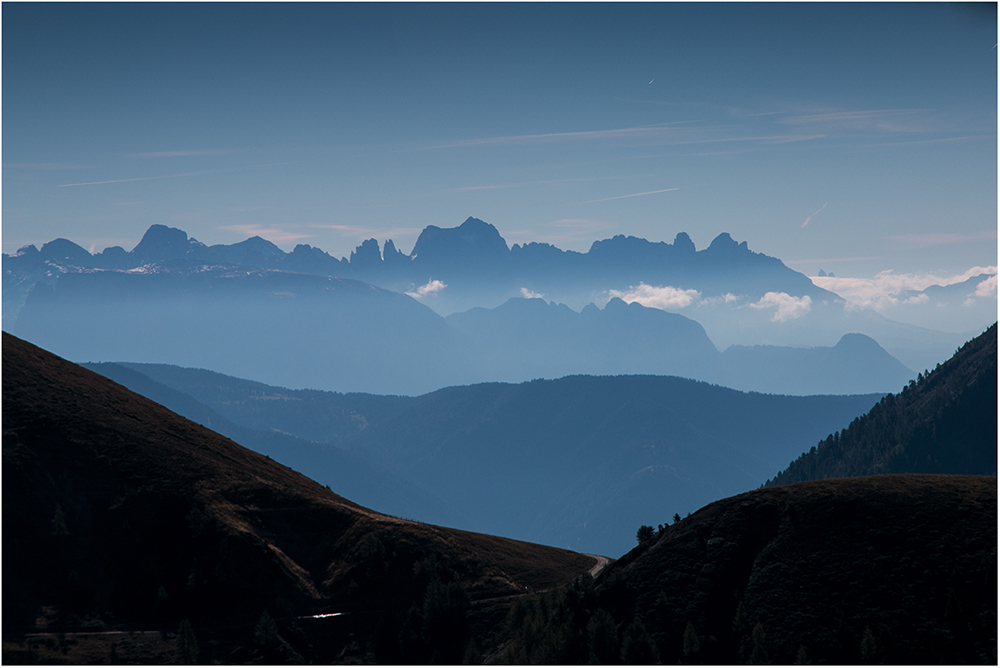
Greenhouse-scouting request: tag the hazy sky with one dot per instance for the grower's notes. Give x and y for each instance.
(855, 138)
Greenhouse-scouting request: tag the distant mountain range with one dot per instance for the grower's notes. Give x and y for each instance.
(173, 300)
(739, 296)
(576, 462)
(472, 258)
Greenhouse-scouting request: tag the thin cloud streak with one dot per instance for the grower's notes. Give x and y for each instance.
(54, 166)
(886, 120)
(868, 258)
(146, 178)
(178, 154)
(522, 184)
(588, 135)
(175, 176)
(651, 192)
(812, 215)
(662, 134)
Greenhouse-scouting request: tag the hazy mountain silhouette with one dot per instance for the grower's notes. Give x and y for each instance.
(944, 422)
(280, 327)
(856, 364)
(532, 338)
(302, 330)
(116, 511)
(577, 462)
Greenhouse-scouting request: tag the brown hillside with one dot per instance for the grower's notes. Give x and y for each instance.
(115, 508)
(893, 568)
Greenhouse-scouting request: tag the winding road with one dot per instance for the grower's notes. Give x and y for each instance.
(599, 566)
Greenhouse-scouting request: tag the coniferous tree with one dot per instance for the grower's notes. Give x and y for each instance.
(644, 533)
(603, 637)
(59, 522)
(187, 644)
(691, 643)
(759, 653)
(637, 647)
(868, 646)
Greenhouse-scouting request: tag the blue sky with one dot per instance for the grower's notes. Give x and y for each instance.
(855, 138)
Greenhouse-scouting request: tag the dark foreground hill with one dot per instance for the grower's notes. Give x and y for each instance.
(118, 513)
(881, 569)
(943, 422)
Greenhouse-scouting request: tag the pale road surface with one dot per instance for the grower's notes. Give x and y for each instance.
(599, 566)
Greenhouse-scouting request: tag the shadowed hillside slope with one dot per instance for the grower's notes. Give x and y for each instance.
(577, 462)
(363, 481)
(116, 510)
(881, 569)
(944, 422)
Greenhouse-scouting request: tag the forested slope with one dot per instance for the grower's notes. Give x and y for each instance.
(943, 422)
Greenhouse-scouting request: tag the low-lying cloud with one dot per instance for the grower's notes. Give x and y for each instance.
(431, 287)
(786, 307)
(531, 294)
(666, 298)
(987, 288)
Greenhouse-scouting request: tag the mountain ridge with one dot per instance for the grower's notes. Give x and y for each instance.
(468, 254)
(588, 454)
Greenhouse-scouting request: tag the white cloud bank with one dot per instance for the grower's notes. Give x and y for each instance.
(529, 294)
(666, 298)
(987, 288)
(882, 291)
(786, 307)
(431, 287)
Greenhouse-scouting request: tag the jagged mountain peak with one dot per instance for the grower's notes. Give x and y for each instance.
(725, 243)
(26, 251)
(66, 251)
(682, 242)
(163, 243)
(474, 236)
